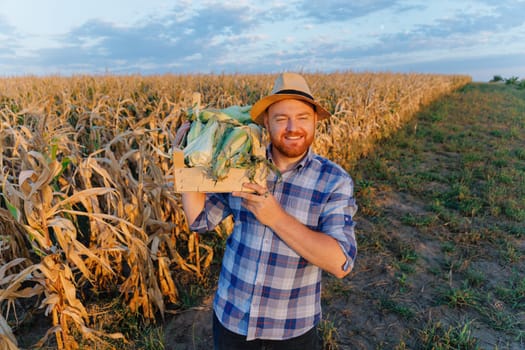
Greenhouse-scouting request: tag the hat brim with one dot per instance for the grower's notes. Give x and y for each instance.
(258, 109)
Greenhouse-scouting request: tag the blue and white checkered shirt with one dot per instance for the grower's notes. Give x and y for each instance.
(266, 290)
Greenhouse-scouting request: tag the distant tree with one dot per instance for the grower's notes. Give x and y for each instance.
(497, 78)
(512, 80)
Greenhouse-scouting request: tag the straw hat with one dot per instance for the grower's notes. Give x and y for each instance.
(286, 86)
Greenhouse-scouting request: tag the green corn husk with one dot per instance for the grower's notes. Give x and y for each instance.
(234, 151)
(195, 130)
(219, 140)
(255, 132)
(199, 152)
(236, 115)
(240, 113)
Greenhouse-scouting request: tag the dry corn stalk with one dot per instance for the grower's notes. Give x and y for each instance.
(85, 168)
(67, 311)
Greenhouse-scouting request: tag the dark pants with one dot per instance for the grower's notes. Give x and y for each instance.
(223, 339)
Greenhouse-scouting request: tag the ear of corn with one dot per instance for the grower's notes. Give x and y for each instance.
(235, 114)
(258, 149)
(195, 130)
(234, 152)
(222, 139)
(239, 113)
(199, 151)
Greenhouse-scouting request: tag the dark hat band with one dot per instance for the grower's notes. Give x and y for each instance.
(295, 92)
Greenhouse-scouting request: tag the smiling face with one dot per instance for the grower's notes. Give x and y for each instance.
(291, 126)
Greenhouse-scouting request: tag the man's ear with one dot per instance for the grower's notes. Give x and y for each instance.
(265, 119)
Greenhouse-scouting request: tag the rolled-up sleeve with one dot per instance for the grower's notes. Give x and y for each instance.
(215, 210)
(337, 220)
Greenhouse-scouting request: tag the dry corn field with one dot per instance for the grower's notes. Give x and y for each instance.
(87, 204)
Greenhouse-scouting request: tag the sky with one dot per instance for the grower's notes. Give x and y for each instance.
(480, 38)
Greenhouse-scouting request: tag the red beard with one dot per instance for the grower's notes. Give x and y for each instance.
(290, 147)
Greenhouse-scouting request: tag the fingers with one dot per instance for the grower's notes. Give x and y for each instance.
(259, 201)
(259, 192)
(258, 189)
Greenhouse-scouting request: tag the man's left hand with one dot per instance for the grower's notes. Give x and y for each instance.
(260, 202)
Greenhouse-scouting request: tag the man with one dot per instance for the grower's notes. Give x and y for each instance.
(285, 233)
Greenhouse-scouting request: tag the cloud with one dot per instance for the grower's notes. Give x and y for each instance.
(216, 36)
(97, 46)
(458, 35)
(343, 10)
(8, 37)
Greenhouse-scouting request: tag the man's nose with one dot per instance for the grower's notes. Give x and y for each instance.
(291, 125)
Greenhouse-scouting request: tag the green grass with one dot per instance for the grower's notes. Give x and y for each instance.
(390, 305)
(481, 144)
(329, 335)
(458, 171)
(437, 336)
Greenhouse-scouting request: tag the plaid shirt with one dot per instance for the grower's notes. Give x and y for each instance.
(265, 289)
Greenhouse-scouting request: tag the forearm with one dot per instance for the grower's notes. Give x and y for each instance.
(193, 205)
(318, 248)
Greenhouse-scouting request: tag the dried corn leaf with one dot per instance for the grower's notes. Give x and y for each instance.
(78, 196)
(4, 268)
(7, 338)
(14, 281)
(50, 302)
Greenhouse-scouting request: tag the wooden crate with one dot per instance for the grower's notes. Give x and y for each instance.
(196, 179)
